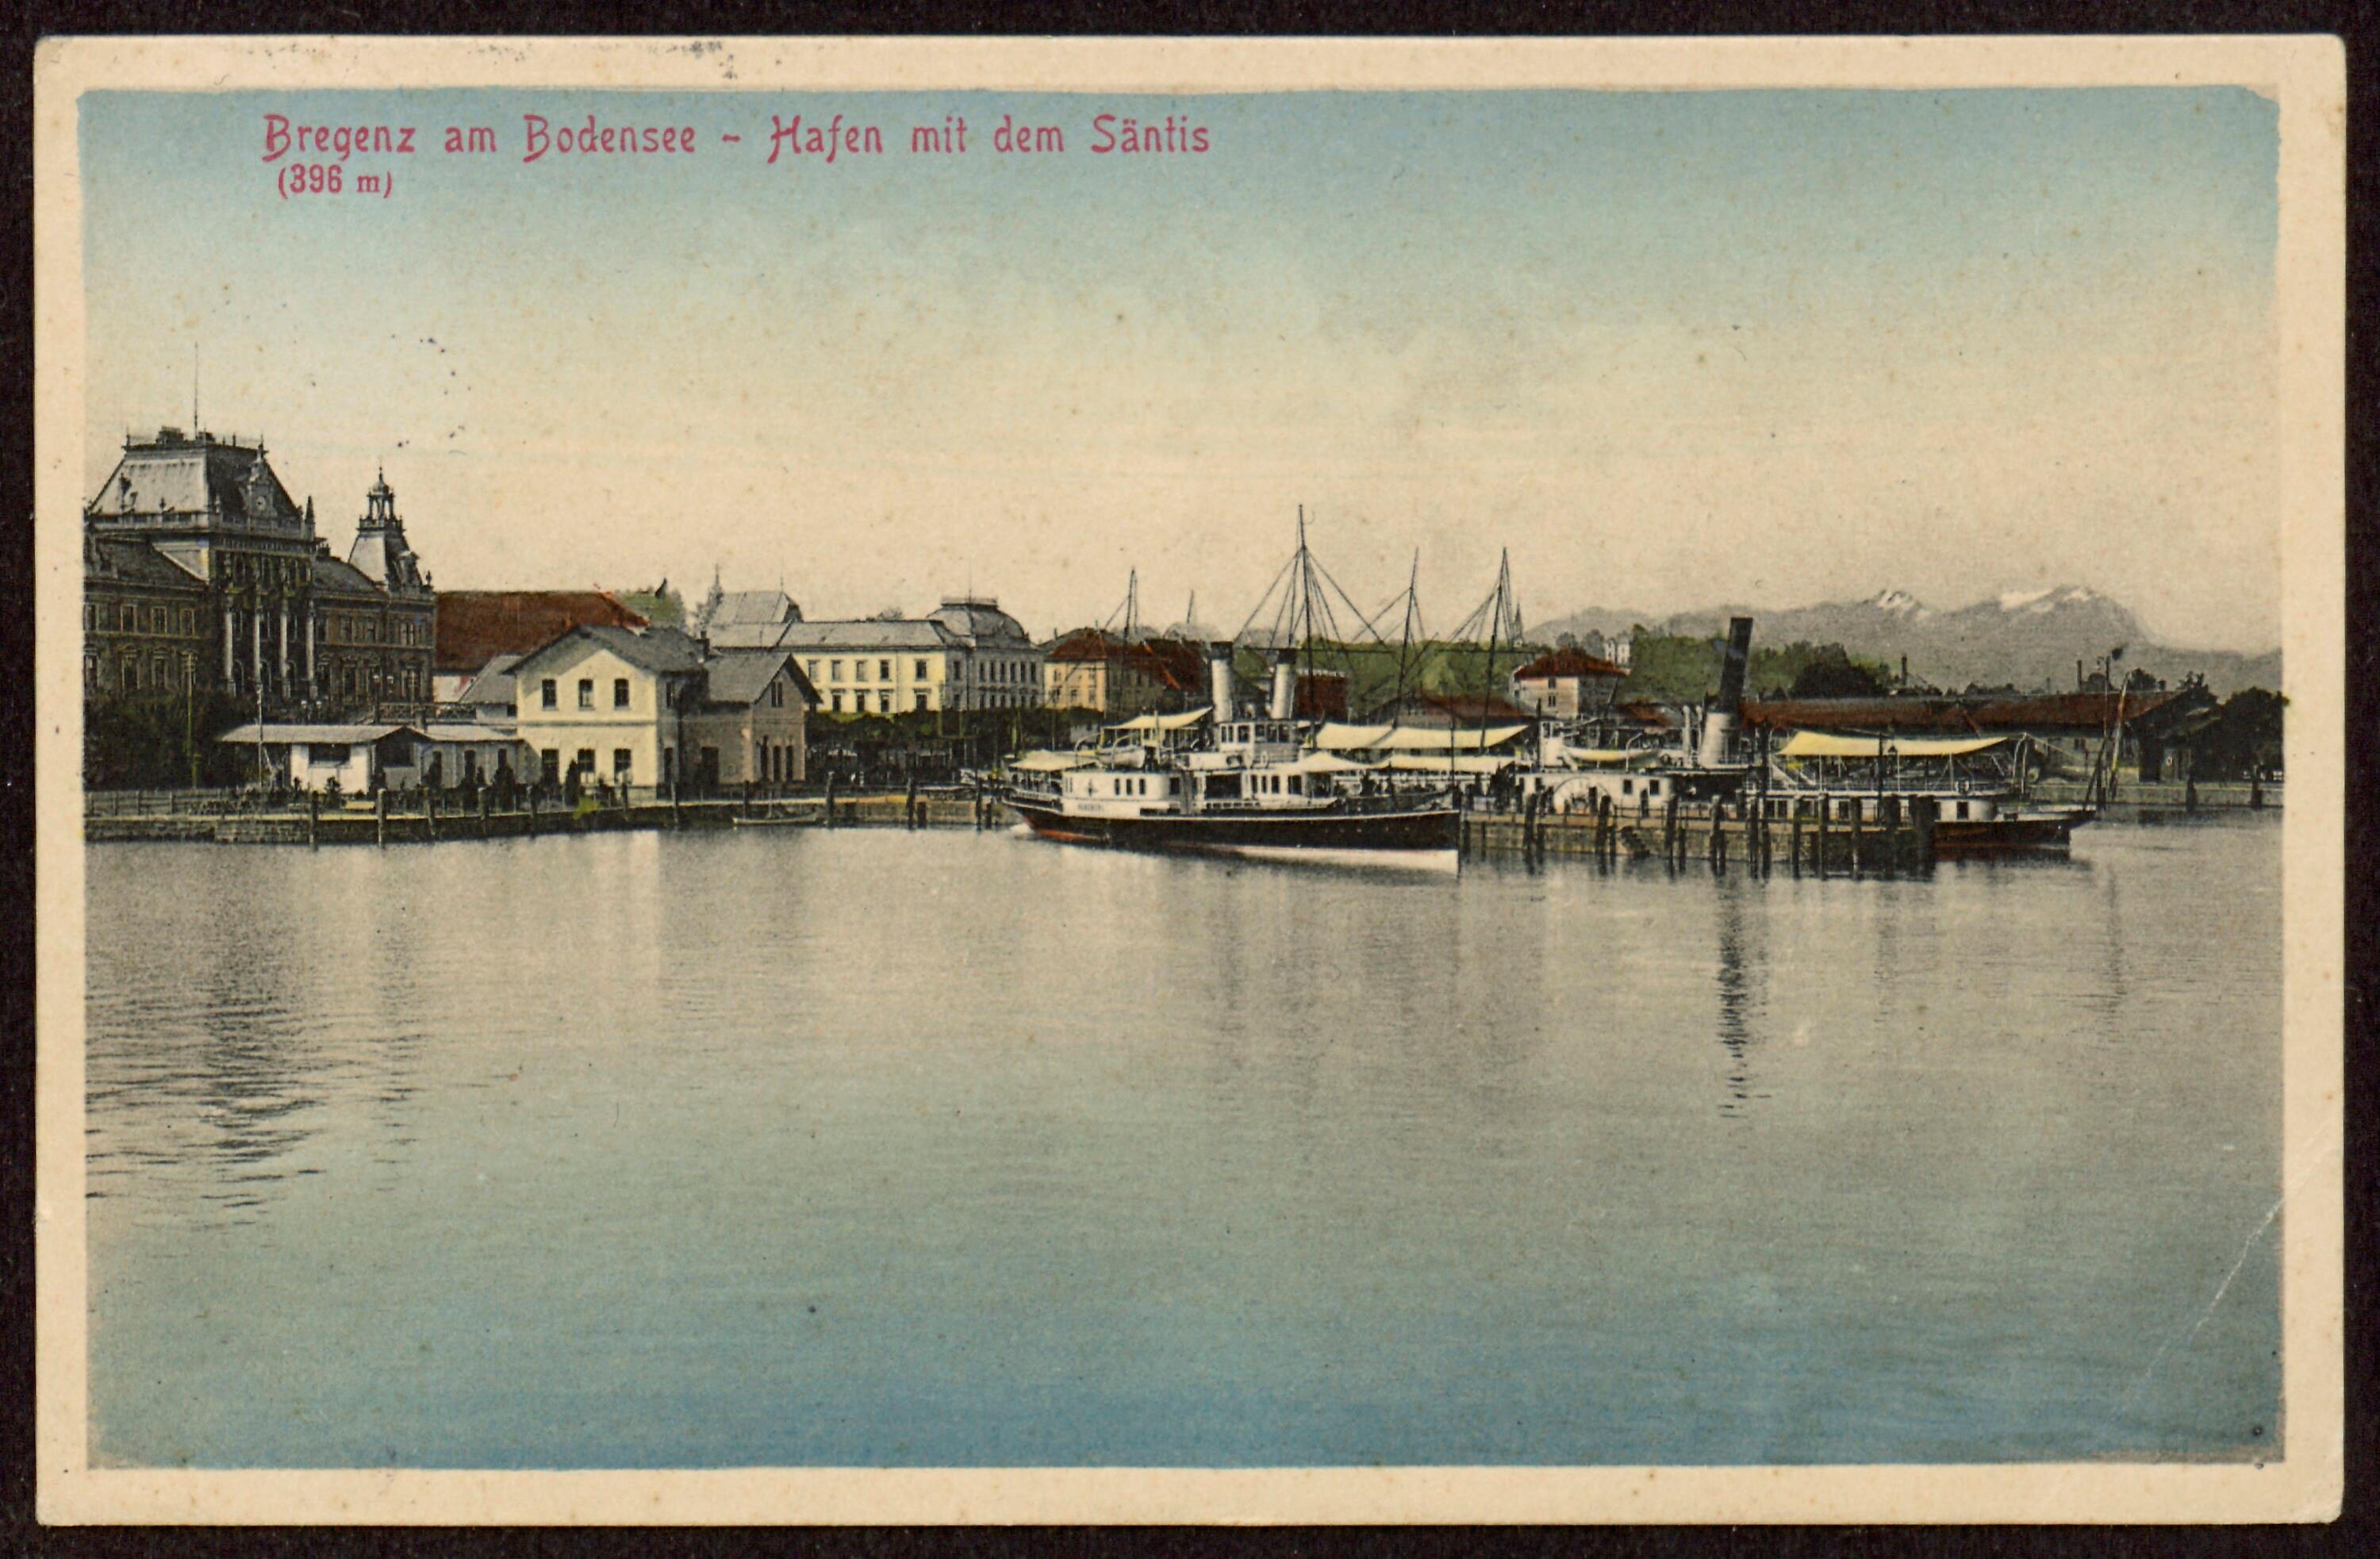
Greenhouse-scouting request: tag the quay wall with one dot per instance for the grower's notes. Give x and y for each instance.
(360, 826)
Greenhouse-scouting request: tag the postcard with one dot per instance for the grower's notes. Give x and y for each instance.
(849, 781)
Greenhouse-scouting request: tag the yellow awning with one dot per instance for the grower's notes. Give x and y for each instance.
(1328, 763)
(1350, 739)
(1826, 744)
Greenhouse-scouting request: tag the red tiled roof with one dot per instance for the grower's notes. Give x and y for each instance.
(1086, 644)
(474, 625)
(1568, 661)
(1996, 712)
(1174, 664)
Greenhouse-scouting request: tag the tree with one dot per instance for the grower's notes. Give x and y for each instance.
(661, 606)
(1833, 674)
(157, 740)
(2245, 738)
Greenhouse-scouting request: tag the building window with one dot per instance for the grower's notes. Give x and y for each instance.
(838, 700)
(883, 703)
(1962, 811)
(777, 693)
(619, 692)
(585, 761)
(838, 676)
(586, 695)
(884, 670)
(546, 698)
(921, 700)
(190, 621)
(859, 671)
(548, 764)
(811, 667)
(921, 671)
(620, 761)
(124, 619)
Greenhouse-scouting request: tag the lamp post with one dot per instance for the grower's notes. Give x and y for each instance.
(189, 713)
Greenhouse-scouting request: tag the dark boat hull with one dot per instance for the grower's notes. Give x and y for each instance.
(1422, 829)
(2020, 836)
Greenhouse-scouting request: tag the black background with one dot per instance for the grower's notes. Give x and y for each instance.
(2358, 1531)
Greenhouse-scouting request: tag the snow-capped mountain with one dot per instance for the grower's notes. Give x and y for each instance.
(2028, 638)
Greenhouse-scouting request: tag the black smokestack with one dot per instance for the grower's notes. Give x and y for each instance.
(1737, 660)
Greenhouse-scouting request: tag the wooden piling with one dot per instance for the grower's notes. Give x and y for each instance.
(429, 813)
(1826, 826)
(1859, 834)
(1793, 838)
(313, 818)
(1669, 829)
(380, 816)
(1927, 811)
(484, 811)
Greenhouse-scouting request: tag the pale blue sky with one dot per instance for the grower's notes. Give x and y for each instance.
(1673, 349)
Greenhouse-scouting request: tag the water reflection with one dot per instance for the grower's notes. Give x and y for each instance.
(213, 1085)
(1069, 1155)
(1741, 1006)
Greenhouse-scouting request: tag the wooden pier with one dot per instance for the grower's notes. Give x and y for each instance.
(1807, 839)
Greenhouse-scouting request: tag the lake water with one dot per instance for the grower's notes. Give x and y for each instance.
(871, 1148)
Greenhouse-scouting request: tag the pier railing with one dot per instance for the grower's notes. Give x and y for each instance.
(158, 803)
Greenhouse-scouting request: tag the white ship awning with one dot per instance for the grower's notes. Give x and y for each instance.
(1412, 739)
(1826, 744)
(1425, 739)
(1156, 722)
(1603, 757)
(1463, 763)
(1049, 762)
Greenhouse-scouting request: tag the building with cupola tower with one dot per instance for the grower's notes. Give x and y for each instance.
(202, 576)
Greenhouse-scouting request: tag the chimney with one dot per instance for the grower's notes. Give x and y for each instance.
(1718, 724)
(1218, 679)
(1284, 687)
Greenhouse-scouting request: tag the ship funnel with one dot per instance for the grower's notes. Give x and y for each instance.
(1284, 688)
(1718, 724)
(1218, 679)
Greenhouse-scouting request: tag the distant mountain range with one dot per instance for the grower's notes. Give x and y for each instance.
(2030, 638)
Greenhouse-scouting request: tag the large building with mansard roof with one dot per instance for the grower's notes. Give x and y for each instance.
(201, 573)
